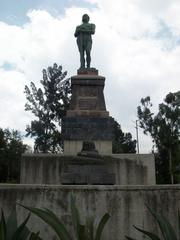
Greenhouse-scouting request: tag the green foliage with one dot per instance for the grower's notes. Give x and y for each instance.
(123, 142)
(9, 229)
(11, 148)
(164, 128)
(49, 105)
(81, 232)
(168, 233)
(35, 236)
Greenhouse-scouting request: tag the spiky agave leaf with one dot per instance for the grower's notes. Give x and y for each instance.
(75, 218)
(11, 224)
(164, 225)
(35, 236)
(81, 233)
(89, 228)
(129, 238)
(52, 220)
(101, 226)
(10, 231)
(166, 228)
(2, 226)
(25, 234)
(149, 234)
(179, 222)
(79, 229)
(22, 231)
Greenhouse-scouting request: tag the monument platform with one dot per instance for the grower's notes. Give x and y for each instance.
(115, 169)
(88, 131)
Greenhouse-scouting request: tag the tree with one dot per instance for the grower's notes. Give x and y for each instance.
(164, 128)
(49, 105)
(11, 148)
(123, 142)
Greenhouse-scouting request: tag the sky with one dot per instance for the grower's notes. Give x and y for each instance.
(136, 47)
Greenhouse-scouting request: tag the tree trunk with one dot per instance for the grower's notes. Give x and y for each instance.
(170, 167)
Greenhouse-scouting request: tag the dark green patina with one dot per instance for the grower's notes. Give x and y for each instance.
(84, 40)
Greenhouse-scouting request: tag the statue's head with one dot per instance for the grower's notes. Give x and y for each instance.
(85, 18)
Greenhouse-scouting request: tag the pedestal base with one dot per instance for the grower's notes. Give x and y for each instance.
(74, 147)
(120, 169)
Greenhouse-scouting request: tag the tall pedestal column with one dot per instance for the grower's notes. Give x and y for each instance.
(87, 119)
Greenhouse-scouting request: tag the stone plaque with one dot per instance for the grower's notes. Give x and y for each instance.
(88, 91)
(88, 128)
(87, 103)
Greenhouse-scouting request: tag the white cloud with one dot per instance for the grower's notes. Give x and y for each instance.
(12, 99)
(172, 17)
(126, 50)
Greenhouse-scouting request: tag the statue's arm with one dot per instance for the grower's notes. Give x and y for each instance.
(93, 27)
(77, 31)
(90, 29)
(85, 29)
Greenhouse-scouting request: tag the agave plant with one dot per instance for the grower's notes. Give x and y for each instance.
(81, 232)
(9, 229)
(168, 233)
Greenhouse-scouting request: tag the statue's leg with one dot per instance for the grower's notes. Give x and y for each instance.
(88, 54)
(82, 59)
(88, 58)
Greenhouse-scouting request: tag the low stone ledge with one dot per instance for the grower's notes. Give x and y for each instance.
(90, 187)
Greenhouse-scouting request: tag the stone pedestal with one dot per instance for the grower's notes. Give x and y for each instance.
(87, 118)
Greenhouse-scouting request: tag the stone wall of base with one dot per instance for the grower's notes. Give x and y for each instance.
(119, 169)
(126, 204)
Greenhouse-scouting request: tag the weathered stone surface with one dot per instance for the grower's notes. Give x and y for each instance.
(104, 179)
(83, 179)
(87, 128)
(89, 71)
(146, 160)
(87, 93)
(75, 146)
(76, 79)
(49, 168)
(88, 150)
(74, 178)
(87, 103)
(125, 204)
(87, 113)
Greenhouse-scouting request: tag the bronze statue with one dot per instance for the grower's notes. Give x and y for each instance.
(84, 41)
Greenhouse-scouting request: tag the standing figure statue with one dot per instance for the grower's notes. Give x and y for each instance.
(84, 40)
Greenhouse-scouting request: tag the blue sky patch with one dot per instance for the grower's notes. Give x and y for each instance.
(170, 40)
(14, 12)
(8, 66)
